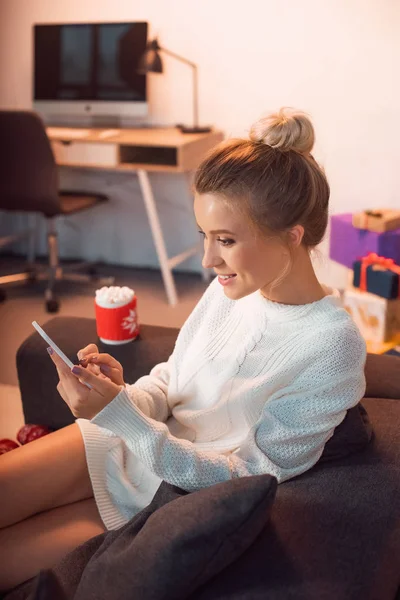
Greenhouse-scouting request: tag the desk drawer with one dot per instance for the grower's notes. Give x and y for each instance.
(85, 154)
(149, 155)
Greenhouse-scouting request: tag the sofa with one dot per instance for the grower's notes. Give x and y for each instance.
(332, 533)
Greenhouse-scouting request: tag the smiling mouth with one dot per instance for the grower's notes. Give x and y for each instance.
(227, 276)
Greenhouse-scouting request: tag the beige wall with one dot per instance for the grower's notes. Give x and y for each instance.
(337, 59)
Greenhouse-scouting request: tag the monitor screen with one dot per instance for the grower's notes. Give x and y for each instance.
(89, 62)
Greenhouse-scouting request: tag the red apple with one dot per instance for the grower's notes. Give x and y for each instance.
(28, 433)
(7, 445)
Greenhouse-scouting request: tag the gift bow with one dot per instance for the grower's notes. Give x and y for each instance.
(374, 259)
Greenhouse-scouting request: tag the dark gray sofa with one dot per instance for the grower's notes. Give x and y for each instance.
(333, 533)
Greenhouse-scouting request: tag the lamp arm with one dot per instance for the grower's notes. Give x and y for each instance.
(195, 82)
(178, 57)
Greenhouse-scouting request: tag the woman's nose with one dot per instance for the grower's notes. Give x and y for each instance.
(210, 259)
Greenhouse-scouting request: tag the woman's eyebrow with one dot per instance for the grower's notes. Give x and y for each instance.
(216, 231)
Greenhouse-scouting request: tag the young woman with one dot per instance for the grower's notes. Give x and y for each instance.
(263, 370)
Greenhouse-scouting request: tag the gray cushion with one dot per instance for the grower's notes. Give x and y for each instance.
(170, 549)
(352, 435)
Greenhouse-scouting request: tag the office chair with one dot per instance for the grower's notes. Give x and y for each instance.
(29, 183)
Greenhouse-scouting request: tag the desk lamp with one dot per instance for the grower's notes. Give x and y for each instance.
(151, 62)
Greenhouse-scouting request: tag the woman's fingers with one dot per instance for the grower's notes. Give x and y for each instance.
(96, 383)
(102, 376)
(103, 359)
(115, 375)
(89, 349)
(96, 369)
(106, 364)
(92, 368)
(85, 392)
(61, 367)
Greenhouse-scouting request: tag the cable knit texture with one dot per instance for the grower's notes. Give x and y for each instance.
(252, 387)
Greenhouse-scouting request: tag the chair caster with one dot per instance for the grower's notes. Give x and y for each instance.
(32, 275)
(52, 306)
(3, 295)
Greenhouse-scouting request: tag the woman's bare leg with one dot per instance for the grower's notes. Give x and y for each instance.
(45, 474)
(41, 541)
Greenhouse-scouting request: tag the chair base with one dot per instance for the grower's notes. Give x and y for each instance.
(41, 273)
(54, 271)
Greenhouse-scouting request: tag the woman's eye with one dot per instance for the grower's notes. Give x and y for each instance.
(226, 242)
(222, 241)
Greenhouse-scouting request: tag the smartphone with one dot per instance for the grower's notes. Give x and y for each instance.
(52, 345)
(55, 348)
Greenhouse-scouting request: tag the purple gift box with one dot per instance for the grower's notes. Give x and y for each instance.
(348, 244)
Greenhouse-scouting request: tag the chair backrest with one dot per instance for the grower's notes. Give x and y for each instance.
(28, 172)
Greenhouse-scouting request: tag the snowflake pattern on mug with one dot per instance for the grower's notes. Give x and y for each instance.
(129, 322)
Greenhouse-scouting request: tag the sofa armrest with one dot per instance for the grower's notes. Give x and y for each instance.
(382, 373)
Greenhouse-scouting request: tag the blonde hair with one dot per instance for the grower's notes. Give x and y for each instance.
(285, 130)
(272, 177)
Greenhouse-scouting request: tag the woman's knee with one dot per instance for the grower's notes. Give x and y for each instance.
(43, 540)
(49, 472)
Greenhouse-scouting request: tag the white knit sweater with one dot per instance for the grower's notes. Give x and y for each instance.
(252, 387)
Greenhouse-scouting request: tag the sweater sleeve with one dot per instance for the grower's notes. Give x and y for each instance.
(150, 393)
(287, 440)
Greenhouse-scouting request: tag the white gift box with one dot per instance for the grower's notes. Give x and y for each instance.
(378, 319)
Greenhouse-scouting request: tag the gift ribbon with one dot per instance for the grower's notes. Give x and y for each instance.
(365, 217)
(373, 259)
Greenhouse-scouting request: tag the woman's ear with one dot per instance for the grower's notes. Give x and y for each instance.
(295, 235)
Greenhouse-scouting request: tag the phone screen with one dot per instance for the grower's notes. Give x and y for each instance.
(52, 344)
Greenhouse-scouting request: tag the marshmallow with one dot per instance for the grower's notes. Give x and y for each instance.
(114, 295)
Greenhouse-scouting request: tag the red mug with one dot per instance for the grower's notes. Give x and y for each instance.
(116, 319)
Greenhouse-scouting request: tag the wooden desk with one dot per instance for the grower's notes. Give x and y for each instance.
(140, 151)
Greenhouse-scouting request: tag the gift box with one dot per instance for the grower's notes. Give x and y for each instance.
(379, 220)
(395, 351)
(377, 318)
(384, 347)
(377, 275)
(347, 243)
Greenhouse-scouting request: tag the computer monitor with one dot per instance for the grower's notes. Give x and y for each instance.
(88, 71)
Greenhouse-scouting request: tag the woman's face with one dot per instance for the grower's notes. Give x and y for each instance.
(245, 261)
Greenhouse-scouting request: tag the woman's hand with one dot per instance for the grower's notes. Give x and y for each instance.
(101, 363)
(83, 401)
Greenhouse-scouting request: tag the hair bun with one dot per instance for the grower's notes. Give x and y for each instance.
(286, 130)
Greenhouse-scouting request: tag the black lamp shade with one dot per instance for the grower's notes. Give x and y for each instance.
(150, 61)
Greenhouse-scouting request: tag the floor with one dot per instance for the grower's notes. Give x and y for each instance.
(24, 304)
